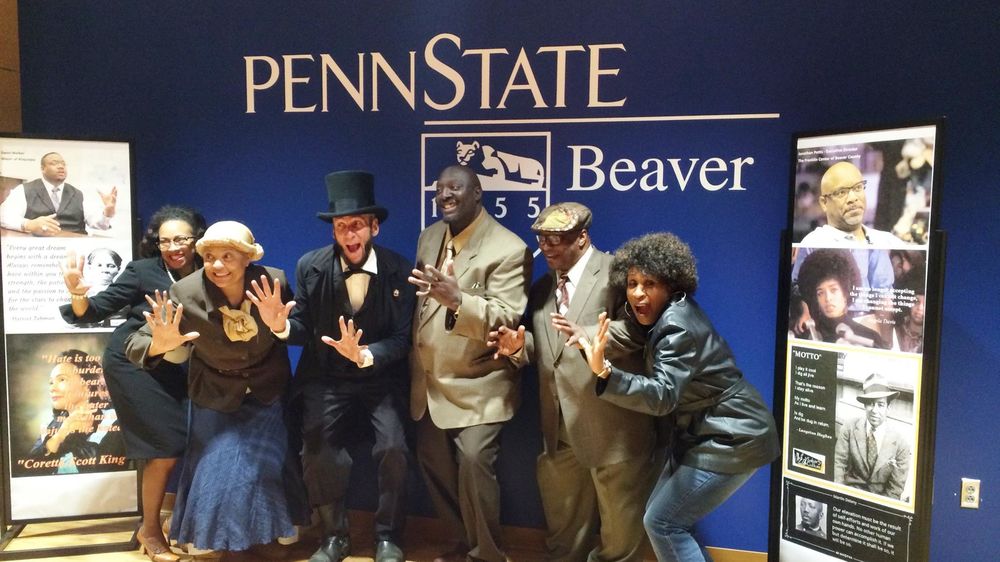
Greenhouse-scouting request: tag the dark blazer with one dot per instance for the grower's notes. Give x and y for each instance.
(600, 432)
(221, 371)
(850, 465)
(70, 213)
(385, 316)
(722, 423)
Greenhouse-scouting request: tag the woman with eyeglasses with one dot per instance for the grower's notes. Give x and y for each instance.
(149, 403)
(722, 431)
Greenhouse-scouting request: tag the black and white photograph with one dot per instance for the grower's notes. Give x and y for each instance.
(811, 517)
(876, 425)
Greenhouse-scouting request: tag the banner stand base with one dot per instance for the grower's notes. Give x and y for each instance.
(11, 532)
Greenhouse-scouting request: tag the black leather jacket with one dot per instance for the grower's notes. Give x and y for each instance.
(721, 423)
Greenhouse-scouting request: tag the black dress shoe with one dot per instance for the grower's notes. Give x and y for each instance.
(334, 549)
(387, 551)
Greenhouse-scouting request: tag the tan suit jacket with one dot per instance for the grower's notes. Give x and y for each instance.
(599, 432)
(455, 377)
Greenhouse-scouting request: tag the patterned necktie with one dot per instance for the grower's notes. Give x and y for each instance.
(563, 293)
(55, 197)
(872, 453)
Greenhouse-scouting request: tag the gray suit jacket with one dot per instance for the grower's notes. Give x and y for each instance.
(599, 432)
(850, 465)
(455, 377)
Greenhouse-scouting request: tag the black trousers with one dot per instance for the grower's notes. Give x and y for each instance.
(331, 411)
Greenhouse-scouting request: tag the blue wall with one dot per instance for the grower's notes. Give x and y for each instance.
(171, 78)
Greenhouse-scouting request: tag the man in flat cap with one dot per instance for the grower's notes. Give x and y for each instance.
(870, 454)
(596, 457)
(352, 317)
(472, 276)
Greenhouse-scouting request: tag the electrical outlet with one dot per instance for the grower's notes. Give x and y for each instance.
(970, 493)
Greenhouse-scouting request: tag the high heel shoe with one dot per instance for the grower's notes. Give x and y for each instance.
(155, 548)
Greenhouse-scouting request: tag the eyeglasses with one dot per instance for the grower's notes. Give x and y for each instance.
(165, 243)
(841, 193)
(557, 239)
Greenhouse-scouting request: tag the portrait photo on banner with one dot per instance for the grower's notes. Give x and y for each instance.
(876, 425)
(61, 418)
(863, 297)
(883, 181)
(61, 199)
(64, 188)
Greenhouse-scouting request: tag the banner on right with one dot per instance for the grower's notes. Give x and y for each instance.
(855, 474)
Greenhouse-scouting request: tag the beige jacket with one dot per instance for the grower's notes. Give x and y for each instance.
(455, 377)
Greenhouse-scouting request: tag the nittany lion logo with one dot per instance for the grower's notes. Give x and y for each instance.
(497, 169)
(514, 169)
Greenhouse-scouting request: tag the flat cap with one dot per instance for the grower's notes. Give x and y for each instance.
(562, 217)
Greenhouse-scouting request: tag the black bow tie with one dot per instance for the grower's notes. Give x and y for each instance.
(351, 272)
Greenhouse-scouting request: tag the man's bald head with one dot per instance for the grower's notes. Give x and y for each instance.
(841, 174)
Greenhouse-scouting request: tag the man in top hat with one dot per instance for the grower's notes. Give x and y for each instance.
(597, 456)
(352, 317)
(472, 276)
(870, 454)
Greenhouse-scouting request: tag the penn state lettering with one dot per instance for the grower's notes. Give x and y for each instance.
(654, 174)
(308, 76)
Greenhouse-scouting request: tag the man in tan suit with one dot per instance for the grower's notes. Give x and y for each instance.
(596, 464)
(471, 276)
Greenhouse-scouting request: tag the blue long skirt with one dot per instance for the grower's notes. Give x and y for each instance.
(241, 483)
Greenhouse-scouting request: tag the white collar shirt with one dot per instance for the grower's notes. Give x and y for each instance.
(357, 285)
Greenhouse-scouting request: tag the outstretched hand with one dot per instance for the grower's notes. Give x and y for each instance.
(506, 341)
(109, 199)
(165, 321)
(438, 284)
(72, 272)
(273, 312)
(349, 344)
(595, 350)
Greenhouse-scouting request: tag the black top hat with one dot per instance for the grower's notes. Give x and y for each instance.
(352, 193)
